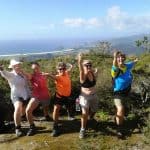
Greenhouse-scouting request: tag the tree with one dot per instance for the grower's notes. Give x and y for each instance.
(102, 47)
(145, 43)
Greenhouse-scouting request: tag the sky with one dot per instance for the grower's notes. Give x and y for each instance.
(50, 19)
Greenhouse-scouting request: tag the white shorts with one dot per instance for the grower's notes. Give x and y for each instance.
(89, 102)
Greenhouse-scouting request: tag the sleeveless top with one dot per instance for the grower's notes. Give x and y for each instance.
(87, 83)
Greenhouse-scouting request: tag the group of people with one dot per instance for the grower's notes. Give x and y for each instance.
(28, 90)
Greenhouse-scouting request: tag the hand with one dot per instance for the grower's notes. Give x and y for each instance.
(115, 54)
(136, 60)
(95, 70)
(45, 74)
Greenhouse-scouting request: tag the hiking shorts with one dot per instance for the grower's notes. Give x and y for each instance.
(89, 102)
(119, 101)
(20, 99)
(62, 101)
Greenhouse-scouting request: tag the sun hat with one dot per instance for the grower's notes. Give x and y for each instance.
(13, 62)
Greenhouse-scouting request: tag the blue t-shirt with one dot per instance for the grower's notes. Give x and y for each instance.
(123, 80)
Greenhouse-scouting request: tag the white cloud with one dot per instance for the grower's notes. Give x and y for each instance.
(80, 22)
(121, 20)
(116, 18)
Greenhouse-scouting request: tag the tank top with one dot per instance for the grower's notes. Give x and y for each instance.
(88, 83)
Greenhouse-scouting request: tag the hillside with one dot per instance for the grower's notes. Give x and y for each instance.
(102, 134)
(22, 47)
(127, 44)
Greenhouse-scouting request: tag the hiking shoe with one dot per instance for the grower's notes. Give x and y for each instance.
(55, 133)
(120, 135)
(82, 134)
(31, 131)
(18, 132)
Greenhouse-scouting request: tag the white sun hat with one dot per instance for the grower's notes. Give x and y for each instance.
(13, 62)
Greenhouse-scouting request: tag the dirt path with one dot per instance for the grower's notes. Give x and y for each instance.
(102, 139)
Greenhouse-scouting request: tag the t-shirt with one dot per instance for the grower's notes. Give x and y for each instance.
(63, 85)
(18, 84)
(124, 79)
(39, 87)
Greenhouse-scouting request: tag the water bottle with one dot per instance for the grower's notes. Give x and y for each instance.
(78, 104)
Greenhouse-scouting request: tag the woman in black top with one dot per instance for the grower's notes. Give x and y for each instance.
(88, 98)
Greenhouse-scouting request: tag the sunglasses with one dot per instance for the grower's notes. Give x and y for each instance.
(61, 69)
(88, 65)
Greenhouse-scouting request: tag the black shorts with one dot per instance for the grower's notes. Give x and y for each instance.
(62, 101)
(25, 102)
(122, 93)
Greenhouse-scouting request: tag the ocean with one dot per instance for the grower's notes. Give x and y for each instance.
(12, 47)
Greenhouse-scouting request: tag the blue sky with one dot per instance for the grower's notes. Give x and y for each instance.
(40, 19)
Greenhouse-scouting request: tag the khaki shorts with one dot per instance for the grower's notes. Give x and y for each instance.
(89, 102)
(119, 101)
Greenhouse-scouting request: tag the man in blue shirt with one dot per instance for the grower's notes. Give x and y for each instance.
(122, 80)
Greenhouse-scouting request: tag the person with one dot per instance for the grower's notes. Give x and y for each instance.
(122, 80)
(63, 92)
(20, 92)
(88, 98)
(40, 95)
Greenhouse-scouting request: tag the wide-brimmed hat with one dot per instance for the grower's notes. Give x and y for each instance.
(13, 62)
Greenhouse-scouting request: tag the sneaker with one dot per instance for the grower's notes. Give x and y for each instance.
(82, 134)
(55, 131)
(71, 118)
(120, 135)
(18, 132)
(31, 131)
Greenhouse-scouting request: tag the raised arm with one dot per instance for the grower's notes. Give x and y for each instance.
(135, 60)
(81, 68)
(7, 75)
(96, 72)
(49, 75)
(69, 69)
(115, 59)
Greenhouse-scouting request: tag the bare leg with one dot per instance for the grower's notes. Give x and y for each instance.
(84, 118)
(17, 113)
(120, 115)
(32, 105)
(56, 110)
(56, 113)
